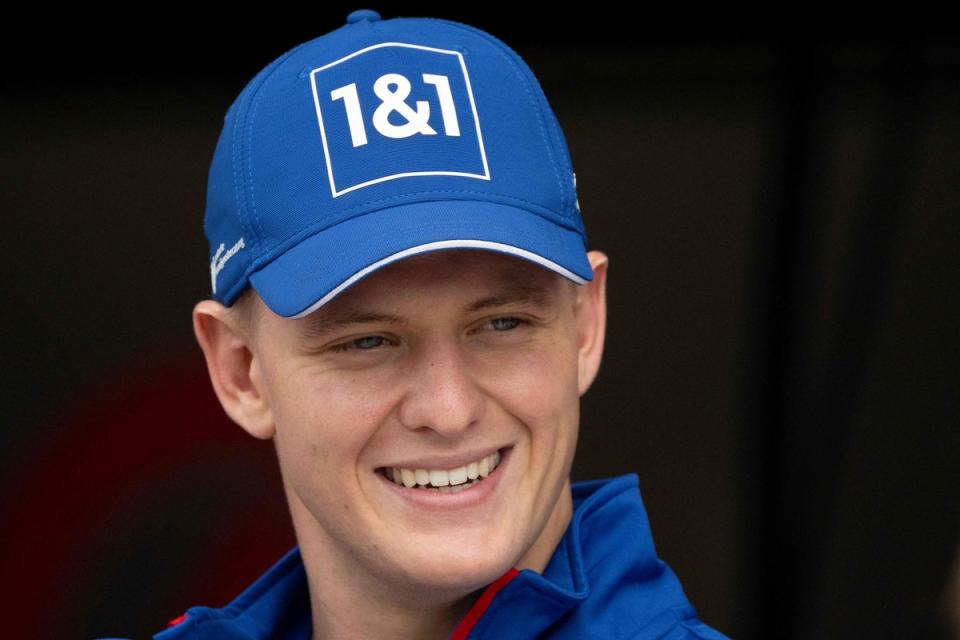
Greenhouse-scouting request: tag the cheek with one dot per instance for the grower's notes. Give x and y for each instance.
(539, 385)
(324, 421)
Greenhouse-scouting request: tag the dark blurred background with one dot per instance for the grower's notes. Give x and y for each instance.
(781, 367)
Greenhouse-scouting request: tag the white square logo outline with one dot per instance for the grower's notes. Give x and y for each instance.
(323, 134)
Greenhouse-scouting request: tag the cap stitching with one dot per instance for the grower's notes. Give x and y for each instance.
(249, 172)
(242, 116)
(255, 99)
(561, 219)
(237, 160)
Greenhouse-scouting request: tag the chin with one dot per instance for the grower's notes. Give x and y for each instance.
(454, 566)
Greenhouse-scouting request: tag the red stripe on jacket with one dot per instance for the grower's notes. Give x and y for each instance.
(480, 606)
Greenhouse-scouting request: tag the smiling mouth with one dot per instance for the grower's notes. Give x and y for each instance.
(444, 480)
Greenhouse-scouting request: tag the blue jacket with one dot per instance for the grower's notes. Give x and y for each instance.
(603, 581)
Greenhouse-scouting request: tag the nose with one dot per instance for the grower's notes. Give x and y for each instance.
(443, 394)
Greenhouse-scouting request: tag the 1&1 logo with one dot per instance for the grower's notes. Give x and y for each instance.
(394, 110)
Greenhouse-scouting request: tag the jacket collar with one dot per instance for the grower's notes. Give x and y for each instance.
(607, 549)
(604, 572)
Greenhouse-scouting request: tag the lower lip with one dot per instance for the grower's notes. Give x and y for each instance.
(438, 501)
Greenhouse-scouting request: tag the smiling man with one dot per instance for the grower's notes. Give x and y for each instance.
(404, 303)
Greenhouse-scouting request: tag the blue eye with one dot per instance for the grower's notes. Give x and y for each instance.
(365, 343)
(366, 340)
(505, 323)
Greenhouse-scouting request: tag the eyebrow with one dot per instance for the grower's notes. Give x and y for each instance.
(316, 326)
(516, 292)
(522, 293)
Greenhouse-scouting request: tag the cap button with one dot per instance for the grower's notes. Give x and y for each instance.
(362, 14)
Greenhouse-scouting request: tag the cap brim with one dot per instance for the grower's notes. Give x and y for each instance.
(317, 269)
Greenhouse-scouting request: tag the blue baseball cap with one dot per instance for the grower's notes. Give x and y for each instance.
(381, 140)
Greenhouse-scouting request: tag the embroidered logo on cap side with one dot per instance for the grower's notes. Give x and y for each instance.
(220, 260)
(395, 110)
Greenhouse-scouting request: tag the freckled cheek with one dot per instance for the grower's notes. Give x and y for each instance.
(537, 386)
(328, 421)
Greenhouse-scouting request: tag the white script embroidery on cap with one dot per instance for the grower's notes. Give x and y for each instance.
(577, 202)
(220, 259)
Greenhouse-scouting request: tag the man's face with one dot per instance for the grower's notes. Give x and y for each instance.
(432, 362)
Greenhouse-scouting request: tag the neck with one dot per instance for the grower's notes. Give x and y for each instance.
(335, 619)
(347, 603)
(538, 556)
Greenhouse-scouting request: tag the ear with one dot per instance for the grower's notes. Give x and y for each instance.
(234, 368)
(591, 319)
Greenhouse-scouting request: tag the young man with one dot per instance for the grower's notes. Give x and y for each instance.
(403, 301)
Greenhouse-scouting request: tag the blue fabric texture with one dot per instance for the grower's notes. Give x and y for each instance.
(603, 581)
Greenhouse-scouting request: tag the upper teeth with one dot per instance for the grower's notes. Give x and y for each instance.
(441, 478)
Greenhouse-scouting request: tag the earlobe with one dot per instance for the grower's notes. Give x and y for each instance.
(233, 368)
(592, 321)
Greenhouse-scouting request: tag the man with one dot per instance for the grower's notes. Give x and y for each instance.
(403, 302)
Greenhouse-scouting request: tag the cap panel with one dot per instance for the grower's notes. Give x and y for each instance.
(224, 224)
(227, 223)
